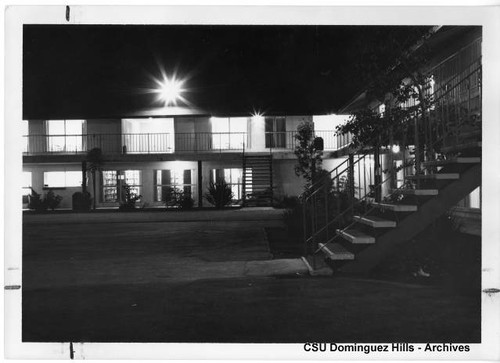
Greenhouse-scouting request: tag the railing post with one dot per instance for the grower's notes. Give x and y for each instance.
(325, 187)
(417, 151)
(377, 172)
(304, 225)
(350, 178)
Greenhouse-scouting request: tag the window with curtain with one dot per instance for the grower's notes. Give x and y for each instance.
(109, 186)
(275, 128)
(233, 177)
(170, 182)
(26, 186)
(133, 179)
(228, 133)
(65, 135)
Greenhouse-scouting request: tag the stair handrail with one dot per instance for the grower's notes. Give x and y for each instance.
(313, 187)
(369, 210)
(379, 185)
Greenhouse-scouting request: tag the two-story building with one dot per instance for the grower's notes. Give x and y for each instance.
(172, 148)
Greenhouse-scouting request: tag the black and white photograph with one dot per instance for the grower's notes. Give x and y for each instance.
(310, 180)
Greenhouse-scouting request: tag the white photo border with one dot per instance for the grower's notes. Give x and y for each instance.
(17, 16)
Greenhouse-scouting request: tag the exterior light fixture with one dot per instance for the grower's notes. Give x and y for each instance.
(395, 149)
(170, 90)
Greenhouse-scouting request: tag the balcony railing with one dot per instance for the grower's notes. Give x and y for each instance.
(286, 140)
(164, 143)
(150, 143)
(210, 141)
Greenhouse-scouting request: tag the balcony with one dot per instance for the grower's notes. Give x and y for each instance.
(112, 144)
(168, 143)
(286, 140)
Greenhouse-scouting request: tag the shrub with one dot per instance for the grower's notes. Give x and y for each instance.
(174, 197)
(82, 201)
(130, 199)
(185, 201)
(219, 194)
(286, 202)
(49, 201)
(53, 200)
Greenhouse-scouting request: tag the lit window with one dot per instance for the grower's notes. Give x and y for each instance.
(133, 179)
(233, 177)
(148, 136)
(65, 135)
(228, 133)
(109, 188)
(62, 179)
(172, 182)
(275, 128)
(26, 186)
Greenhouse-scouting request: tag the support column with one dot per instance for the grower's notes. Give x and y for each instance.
(200, 184)
(148, 185)
(350, 176)
(84, 176)
(377, 173)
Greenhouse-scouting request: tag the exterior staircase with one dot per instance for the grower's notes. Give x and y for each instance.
(370, 238)
(257, 180)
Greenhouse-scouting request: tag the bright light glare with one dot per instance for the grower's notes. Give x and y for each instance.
(170, 90)
(395, 149)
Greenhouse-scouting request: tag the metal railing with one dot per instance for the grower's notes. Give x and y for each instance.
(286, 140)
(210, 141)
(453, 112)
(134, 143)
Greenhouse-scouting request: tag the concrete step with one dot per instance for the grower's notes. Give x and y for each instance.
(419, 192)
(355, 236)
(462, 147)
(375, 222)
(336, 252)
(470, 133)
(437, 176)
(395, 207)
(457, 160)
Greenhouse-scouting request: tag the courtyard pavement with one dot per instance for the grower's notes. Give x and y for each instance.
(208, 276)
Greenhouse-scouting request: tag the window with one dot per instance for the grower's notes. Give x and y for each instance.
(26, 186)
(325, 127)
(228, 133)
(109, 186)
(170, 182)
(65, 135)
(62, 179)
(233, 177)
(148, 136)
(114, 180)
(275, 132)
(133, 179)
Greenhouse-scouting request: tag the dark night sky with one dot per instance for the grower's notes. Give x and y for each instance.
(75, 71)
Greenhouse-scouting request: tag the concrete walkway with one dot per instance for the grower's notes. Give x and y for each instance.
(160, 215)
(158, 270)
